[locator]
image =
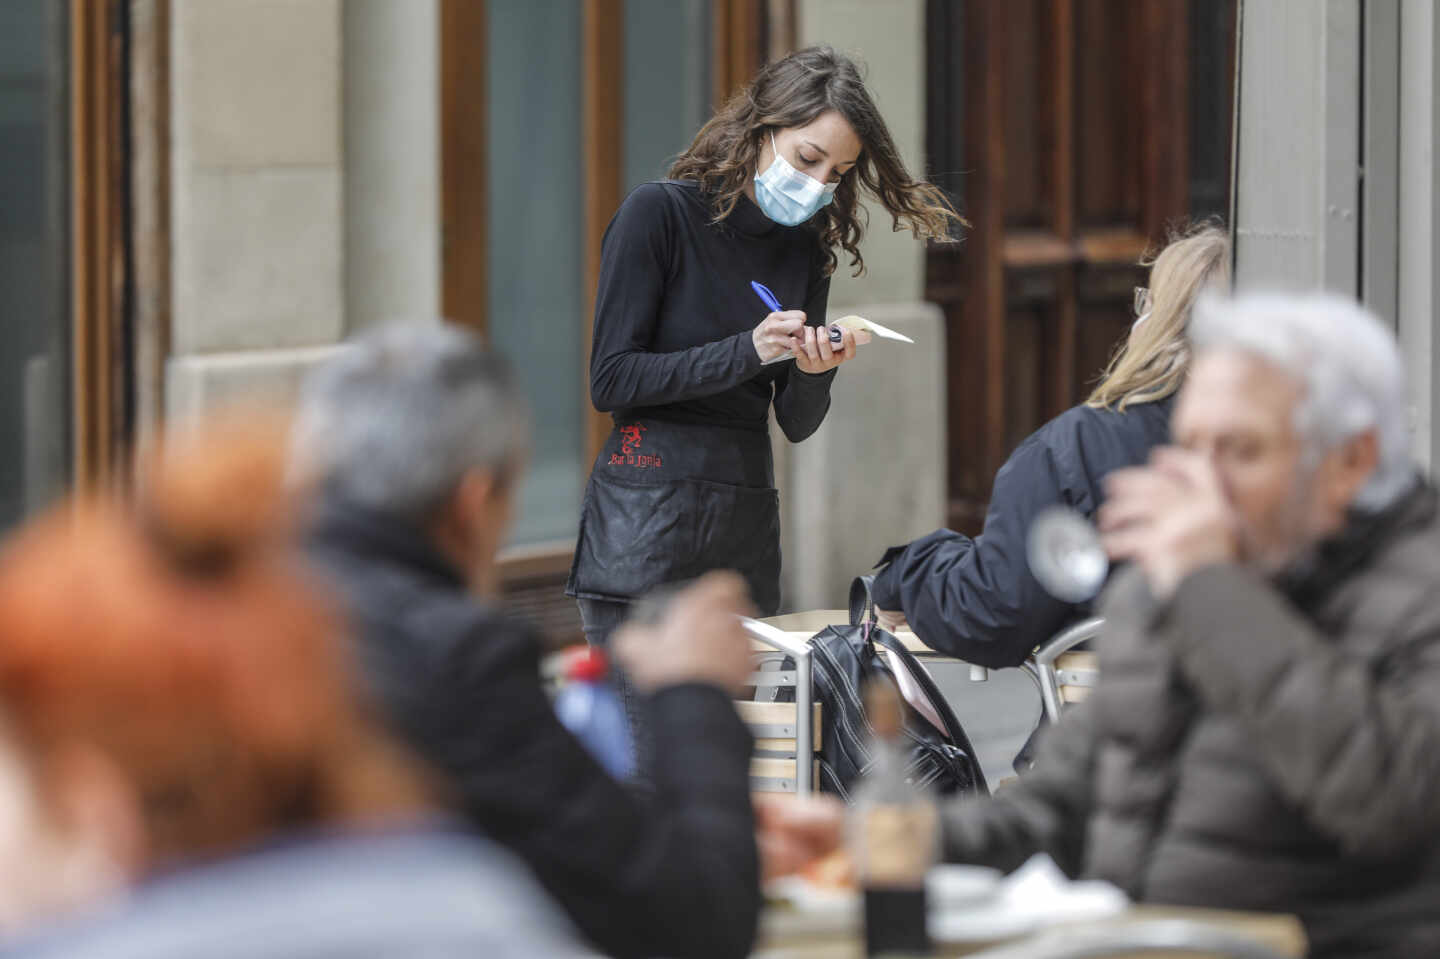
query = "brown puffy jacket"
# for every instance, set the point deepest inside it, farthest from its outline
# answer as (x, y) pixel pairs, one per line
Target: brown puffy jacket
(1259, 746)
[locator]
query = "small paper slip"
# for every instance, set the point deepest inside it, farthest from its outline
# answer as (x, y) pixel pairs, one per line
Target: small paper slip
(855, 324)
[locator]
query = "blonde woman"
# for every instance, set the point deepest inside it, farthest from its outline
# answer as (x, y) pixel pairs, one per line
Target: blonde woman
(975, 599)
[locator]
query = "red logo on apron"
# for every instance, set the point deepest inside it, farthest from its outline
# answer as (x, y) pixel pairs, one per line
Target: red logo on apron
(630, 441)
(630, 438)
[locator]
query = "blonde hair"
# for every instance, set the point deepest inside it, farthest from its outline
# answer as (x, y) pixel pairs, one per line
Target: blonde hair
(1152, 362)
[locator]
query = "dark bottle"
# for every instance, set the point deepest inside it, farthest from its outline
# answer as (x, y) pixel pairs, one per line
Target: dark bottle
(894, 835)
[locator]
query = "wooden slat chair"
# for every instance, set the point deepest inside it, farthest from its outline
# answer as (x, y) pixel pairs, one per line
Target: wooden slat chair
(783, 731)
(1064, 674)
(773, 765)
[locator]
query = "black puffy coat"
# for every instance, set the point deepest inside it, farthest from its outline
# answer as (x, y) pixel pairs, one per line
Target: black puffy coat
(975, 599)
(676, 876)
(1257, 745)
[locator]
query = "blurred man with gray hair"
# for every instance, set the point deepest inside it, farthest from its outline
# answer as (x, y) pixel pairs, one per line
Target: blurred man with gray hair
(1265, 734)
(414, 441)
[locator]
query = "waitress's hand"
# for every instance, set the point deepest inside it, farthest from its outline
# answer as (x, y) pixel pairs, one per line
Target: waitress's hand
(814, 353)
(778, 334)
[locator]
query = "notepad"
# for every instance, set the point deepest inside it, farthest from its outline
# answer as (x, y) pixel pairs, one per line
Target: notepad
(855, 324)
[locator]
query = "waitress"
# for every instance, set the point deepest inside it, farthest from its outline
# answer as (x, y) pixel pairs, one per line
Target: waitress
(688, 358)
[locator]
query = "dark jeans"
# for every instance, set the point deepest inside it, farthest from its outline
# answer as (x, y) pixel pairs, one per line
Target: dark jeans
(600, 618)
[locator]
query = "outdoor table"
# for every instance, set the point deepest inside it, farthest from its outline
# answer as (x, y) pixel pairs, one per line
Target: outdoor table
(786, 933)
(789, 934)
(789, 635)
(807, 624)
(1060, 674)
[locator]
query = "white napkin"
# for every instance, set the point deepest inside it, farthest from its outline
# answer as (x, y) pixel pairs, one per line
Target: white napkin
(1035, 895)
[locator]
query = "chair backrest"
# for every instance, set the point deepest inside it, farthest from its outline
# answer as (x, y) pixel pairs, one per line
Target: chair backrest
(782, 731)
(1064, 674)
(773, 763)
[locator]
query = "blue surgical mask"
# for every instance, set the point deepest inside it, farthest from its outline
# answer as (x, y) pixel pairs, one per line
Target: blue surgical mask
(788, 196)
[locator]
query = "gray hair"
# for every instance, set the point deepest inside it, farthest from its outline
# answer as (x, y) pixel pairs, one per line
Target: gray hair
(1348, 366)
(397, 420)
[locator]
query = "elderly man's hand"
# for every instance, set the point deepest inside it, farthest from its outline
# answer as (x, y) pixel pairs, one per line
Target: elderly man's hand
(1170, 518)
(792, 831)
(699, 639)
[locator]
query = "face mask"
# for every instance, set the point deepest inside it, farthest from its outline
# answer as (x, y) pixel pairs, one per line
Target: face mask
(788, 196)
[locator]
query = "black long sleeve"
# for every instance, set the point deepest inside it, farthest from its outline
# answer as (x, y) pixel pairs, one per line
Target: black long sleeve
(802, 399)
(674, 313)
(624, 370)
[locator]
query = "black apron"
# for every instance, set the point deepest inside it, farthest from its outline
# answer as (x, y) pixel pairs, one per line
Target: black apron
(668, 502)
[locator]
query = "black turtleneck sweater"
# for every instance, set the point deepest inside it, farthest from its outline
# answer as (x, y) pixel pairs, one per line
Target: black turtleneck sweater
(674, 313)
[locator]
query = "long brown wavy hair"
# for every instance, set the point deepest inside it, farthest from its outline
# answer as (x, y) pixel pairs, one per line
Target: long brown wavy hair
(791, 93)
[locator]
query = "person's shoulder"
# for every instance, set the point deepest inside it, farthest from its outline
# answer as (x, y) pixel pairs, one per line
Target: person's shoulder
(1062, 432)
(657, 198)
(420, 622)
(1136, 418)
(1124, 434)
(1410, 560)
(657, 209)
(481, 631)
(1080, 446)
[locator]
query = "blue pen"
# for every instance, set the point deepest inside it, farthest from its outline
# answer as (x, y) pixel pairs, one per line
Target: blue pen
(763, 291)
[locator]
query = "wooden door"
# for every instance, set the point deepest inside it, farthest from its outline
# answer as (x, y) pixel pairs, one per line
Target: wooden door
(1071, 133)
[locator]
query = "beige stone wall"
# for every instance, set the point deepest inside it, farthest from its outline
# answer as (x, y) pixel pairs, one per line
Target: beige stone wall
(887, 38)
(874, 473)
(392, 143)
(257, 172)
(304, 180)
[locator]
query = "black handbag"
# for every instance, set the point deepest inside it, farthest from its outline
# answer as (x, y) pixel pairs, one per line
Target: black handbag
(843, 658)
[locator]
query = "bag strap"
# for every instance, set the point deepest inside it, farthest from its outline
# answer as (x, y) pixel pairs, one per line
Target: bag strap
(862, 601)
(862, 613)
(937, 700)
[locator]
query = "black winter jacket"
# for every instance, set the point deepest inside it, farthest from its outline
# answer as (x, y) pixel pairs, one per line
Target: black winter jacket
(975, 599)
(676, 877)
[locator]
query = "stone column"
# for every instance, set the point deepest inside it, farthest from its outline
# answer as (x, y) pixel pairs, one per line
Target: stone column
(392, 162)
(257, 172)
(874, 474)
(1418, 225)
(1297, 189)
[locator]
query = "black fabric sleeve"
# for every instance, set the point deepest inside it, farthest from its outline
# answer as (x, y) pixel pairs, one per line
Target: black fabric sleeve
(802, 399)
(634, 264)
(976, 599)
(678, 876)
